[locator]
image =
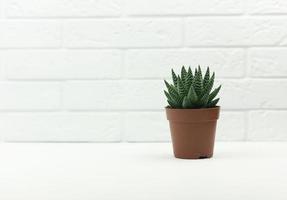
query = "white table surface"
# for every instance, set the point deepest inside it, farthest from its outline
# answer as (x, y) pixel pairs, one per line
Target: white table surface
(98, 171)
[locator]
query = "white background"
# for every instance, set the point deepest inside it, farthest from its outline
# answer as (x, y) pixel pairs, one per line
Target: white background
(92, 70)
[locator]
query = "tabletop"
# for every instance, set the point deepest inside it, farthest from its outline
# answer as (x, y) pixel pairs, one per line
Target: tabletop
(141, 171)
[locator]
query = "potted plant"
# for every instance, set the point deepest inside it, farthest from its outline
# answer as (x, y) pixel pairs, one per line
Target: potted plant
(192, 113)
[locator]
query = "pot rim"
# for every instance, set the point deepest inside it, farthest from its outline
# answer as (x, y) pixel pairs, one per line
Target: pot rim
(193, 115)
(189, 109)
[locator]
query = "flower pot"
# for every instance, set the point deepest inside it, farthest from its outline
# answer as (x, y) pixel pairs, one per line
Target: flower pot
(193, 131)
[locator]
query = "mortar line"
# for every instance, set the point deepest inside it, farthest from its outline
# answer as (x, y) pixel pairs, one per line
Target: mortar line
(145, 48)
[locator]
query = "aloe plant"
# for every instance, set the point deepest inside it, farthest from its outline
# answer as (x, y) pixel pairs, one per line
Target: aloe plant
(191, 90)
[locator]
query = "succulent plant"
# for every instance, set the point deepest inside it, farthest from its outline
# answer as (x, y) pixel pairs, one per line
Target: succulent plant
(191, 90)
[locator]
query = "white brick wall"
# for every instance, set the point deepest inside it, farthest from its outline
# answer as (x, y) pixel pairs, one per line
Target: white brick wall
(75, 70)
(30, 34)
(122, 33)
(62, 64)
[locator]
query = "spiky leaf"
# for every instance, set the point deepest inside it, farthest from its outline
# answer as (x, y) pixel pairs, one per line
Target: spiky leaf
(192, 94)
(171, 101)
(180, 87)
(198, 85)
(167, 95)
(183, 72)
(186, 103)
(172, 104)
(174, 77)
(171, 89)
(214, 93)
(188, 79)
(204, 100)
(209, 85)
(189, 72)
(199, 72)
(206, 77)
(168, 86)
(173, 94)
(176, 99)
(191, 91)
(213, 103)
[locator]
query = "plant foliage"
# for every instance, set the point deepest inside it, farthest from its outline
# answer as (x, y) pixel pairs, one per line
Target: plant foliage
(190, 90)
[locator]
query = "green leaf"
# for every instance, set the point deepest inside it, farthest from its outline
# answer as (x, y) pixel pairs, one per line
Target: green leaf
(174, 77)
(168, 86)
(186, 103)
(167, 95)
(199, 72)
(189, 72)
(198, 84)
(188, 79)
(204, 100)
(209, 85)
(171, 89)
(206, 77)
(175, 97)
(192, 94)
(170, 100)
(214, 93)
(172, 104)
(213, 103)
(191, 90)
(180, 87)
(183, 74)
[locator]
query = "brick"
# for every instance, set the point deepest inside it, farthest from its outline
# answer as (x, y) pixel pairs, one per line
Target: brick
(62, 64)
(62, 8)
(267, 125)
(184, 7)
(20, 34)
(29, 96)
(231, 126)
(92, 95)
(123, 33)
(267, 94)
(60, 126)
(114, 95)
(146, 127)
(157, 63)
(267, 62)
(144, 95)
(235, 31)
(266, 7)
(233, 94)
(253, 94)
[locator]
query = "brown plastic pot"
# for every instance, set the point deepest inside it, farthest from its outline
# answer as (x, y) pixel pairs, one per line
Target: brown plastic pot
(193, 131)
